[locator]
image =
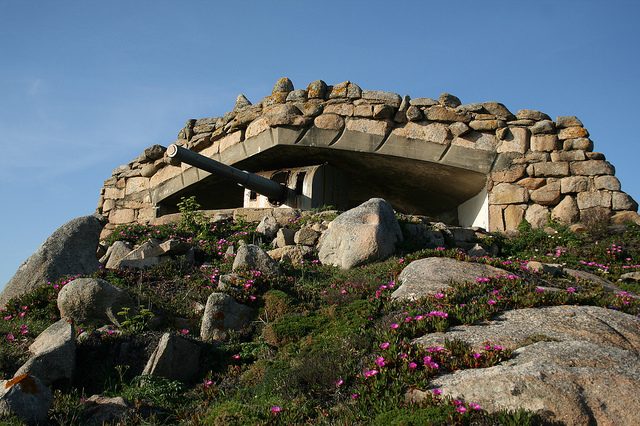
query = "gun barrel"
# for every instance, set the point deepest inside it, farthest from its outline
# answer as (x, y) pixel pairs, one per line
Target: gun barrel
(267, 187)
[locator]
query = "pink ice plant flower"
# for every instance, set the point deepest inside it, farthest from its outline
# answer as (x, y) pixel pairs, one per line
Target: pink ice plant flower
(275, 409)
(370, 373)
(385, 345)
(380, 361)
(394, 326)
(437, 391)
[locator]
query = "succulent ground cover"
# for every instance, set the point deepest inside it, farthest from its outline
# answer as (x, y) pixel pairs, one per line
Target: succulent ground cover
(327, 346)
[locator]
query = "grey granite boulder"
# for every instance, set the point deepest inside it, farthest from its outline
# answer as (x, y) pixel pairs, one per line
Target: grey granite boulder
(364, 234)
(54, 354)
(254, 258)
(92, 301)
(221, 314)
(70, 250)
(433, 275)
(576, 365)
(99, 410)
(26, 397)
(174, 358)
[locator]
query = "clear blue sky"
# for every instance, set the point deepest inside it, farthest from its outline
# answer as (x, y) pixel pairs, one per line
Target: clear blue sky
(86, 86)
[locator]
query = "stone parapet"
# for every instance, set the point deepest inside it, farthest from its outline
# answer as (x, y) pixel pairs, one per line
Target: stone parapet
(531, 164)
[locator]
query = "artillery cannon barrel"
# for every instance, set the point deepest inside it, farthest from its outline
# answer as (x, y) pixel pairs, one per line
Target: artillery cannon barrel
(264, 186)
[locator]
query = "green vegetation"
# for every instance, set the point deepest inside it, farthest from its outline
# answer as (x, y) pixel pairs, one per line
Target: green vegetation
(327, 346)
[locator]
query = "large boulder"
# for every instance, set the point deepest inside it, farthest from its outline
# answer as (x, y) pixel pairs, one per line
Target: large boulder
(26, 397)
(92, 301)
(221, 314)
(572, 364)
(70, 250)
(434, 274)
(364, 234)
(99, 410)
(54, 354)
(174, 358)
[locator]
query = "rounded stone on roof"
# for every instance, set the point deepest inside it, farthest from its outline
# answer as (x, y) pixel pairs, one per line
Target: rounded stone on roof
(241, 102)
(283, 85)
(449, 100)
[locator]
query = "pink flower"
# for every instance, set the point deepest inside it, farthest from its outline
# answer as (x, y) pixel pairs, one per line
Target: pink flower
(474, 406)
(394, 326)
(370, 373)
(185, 331)
(497, 347)
(437, 391)
(10, 337)
(571, 289)
(275, 409)
(209, 383)
(236, 356)
(476, 356)
(439, 295)
(354, 396)
(460, 409)
(380, 361)
(482, 280)
(339, 382)
(491, 302)
(408, 319)
(413, 365)
(385, 345)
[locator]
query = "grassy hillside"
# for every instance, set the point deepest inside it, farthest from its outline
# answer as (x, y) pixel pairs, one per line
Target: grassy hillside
(326, 346)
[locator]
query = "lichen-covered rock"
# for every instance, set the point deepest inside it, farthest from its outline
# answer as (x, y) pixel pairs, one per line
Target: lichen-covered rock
(364, 234)
(222, 314)
(26, 397)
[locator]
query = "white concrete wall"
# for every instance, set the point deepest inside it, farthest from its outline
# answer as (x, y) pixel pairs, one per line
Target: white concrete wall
(475, 211)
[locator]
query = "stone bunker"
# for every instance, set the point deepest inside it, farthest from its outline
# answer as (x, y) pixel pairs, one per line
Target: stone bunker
(470, 165)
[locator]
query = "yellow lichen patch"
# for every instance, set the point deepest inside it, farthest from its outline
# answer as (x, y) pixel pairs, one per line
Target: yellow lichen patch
(27, 383)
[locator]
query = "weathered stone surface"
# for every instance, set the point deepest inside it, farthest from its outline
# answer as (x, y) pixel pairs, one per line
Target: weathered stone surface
(551, 169)
(306, 237)
(93, 301)
(499, 110)
(282, 85)
(545, 127)
(174, 358)
(221, 314)
(344, 109)
(254, 258)
(593, 199)
(622, 201)
(592, 168)
(423, 102)
(449, 100)
(552, 269)
(446, 114)
(363, 234)
(414, 113)
(54, 354)
(545, 143)
(575, 383)
(383, 111)
(486, 125)
(430, 132)
(508, 193)
(568, 121)
(610, 183)
(268, 226)
(621, 218)
(512, 174)
(70, 250)
(528, 114)
(389, 98)
(532, 183)
(285, 237)
(291, 254)
(513, 215)
(566, 212)
(595, 215)
(572, 133)
(115, 253)
(433, 275)
(297, 95)
(27, 397)
(515, 139)
(576, 155)
(317, 89)
(329, 122)
(548, 195)
(99, 410)
(459, 128)
(574, 184)
(374, 127)
(141, 257)
(537, 216)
